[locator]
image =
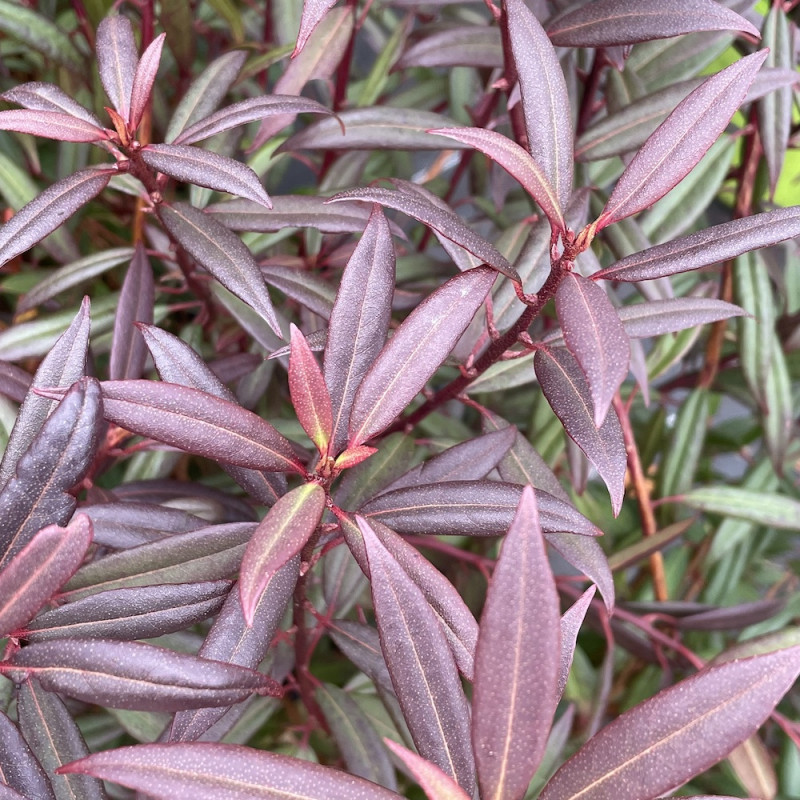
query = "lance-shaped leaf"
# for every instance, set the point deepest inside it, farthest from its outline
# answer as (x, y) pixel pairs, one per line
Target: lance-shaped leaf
(39, 96)
(55, 739)
(279, 536)
(362, 645)
(14, 381)
(763, 508)
(423, 672)
(134, 675)
(416, 351)
(45, 213)
(604, 23)
(314, 293)
(516, 660)
(62, 366)
(117, 61)
(51, 125)
(681, 140)
(545, 102)
(517, 162)
(41, 34)
(128, 350)
(19, 768)
(313, 12)
(37, 571)
(571, 621)
(247, 111)
(437, 784)
(454, 45)
(56, 461)
(718, 243)
(567, 391)
(657, 317)
(594, 334)
(206, 168)
(469, 508)
(359, 321)
(680, 732)
(211, 771)
(309, 393)
(443, 221)
(143, 80)
(222, 253)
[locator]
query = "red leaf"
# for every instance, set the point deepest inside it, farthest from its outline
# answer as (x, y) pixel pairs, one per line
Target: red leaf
(51, 125)
(437, 784)
(516, 660)
(594, 334)
(279, 536)
(681, 140)
(308, 391)
(143, 80)
(117, 61)
(349, 458)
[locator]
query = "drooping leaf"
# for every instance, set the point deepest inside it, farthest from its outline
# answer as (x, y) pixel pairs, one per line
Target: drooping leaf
(567, 391)
(596, 338)
(423, 672)
(222, 253)
(603, 23)
(279, 536)
(416, 351)
(438, 785)
(144, 79)
(117, 61)
(51, 125)
(211, 771)
(36, 572)
(134, 675)
(516, 661)
(49, 209)
(681, 140)
(40, 34)
(545, 102)
(571, 621)
(680, 732)
(18, 765)
(309, 393)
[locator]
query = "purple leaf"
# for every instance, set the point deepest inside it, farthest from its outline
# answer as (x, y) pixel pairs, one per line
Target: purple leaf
(55, 739)
(51, 125)
(47, 97)
(545, 102)
(37, 571)
(680, 732)
(362, 645)
(437, 784)
(594, 335)
(15, 382)
(603, 23)
(308, 289)
(587, 556)
(141, 612)
(359, 321)
(516, 660)
(423, 672)
(280, 536)
(657, 317)
(718, 243)
(133, 675)
(222, 253)
(680, 141)
(443, 221)
(49, 209)
(567, 391)
(20, 770)
(58, 458)
(415, 352)
(517, 162)
(62, 366)
(571, 622)
(455, 45)
(117, 61)
(469, 508)
(247, 111)
(313, 12)
(128, 349)
(205, 168)
(211, 771)
(143, 80)
(309, 394)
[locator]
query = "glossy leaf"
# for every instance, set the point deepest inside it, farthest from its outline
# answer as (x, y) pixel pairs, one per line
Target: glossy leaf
(280, 535)
(117, 61)
(681, 140)
(134, 675)
(49, 209)
(442, 220)
(423, 672)
(36, 572)
(144, 79)
(596, 338)
(51, 125)
(680, 732)
(211, 771)
(516, 660)
(571, 621)
(567, 391)
(19, 768)
(603, 23)
(416, 351)
(545, 102)
(763, 508)
(437, 784)
(309, 394)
